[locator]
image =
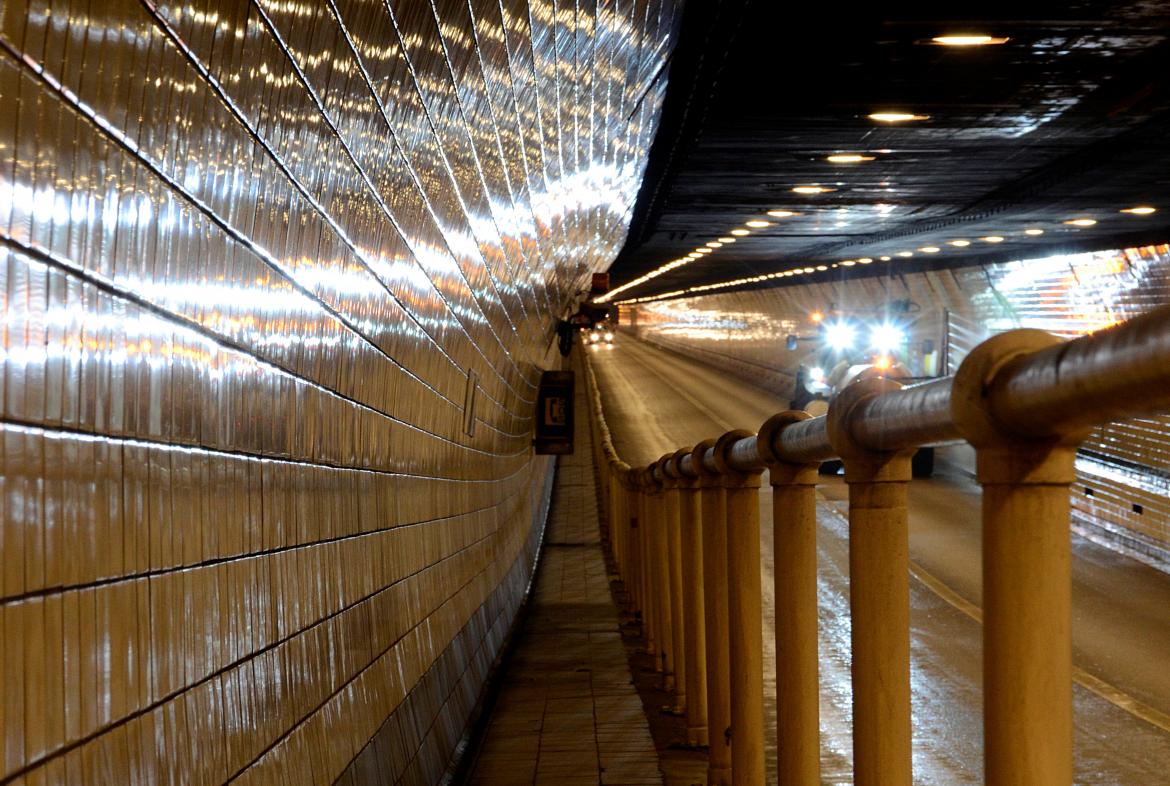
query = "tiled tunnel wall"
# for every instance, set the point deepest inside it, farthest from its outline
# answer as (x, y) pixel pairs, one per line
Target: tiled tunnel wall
(1123, 489)
(278, 280)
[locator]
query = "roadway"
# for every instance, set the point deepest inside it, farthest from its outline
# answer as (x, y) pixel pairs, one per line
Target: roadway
(657, 401)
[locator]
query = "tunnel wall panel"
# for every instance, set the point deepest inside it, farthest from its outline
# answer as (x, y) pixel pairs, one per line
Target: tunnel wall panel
(1123, 469)
(261, 264)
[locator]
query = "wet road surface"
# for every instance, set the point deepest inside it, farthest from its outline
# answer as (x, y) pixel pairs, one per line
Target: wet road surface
(656, 402)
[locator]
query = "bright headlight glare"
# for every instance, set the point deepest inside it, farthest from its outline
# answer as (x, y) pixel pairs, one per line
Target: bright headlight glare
(816, 374)
(839, 335)
(886, 337)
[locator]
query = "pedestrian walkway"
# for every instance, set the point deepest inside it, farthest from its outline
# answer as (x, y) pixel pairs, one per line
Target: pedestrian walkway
(567, 711)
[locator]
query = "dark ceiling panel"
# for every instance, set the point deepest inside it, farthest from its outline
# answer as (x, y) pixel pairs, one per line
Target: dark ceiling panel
(1069, 118)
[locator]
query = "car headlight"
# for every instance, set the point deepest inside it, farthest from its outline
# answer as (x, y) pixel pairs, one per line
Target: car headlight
(839, 335)
(886, 337)
(593, 337)
(608, 336)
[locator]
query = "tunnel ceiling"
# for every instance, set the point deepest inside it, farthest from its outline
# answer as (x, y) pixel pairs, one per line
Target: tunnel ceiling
(1067, 119)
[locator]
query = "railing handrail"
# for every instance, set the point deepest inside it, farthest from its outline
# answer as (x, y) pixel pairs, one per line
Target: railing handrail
(1024, 400)
(1120, 372)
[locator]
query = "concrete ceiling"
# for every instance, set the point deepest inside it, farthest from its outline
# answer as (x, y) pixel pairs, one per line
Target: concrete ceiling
(1067, 119)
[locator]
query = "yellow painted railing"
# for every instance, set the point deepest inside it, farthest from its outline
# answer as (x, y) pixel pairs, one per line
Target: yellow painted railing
(684, 532)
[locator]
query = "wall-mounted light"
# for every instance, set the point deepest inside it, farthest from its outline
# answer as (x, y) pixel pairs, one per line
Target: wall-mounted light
(848, 158)
(896, 117)
(968, 39)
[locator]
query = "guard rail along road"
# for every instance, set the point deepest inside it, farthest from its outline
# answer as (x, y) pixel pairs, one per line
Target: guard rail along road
(684, 532)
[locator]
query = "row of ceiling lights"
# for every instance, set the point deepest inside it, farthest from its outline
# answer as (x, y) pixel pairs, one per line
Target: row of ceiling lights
(1141, 210)
(710, 247)
(812, 189)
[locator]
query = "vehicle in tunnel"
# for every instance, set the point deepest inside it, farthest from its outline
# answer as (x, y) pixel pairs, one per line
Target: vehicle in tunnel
(842, 357)
(601, 333)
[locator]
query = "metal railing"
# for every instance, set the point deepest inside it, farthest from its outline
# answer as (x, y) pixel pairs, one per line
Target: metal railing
(684, 532)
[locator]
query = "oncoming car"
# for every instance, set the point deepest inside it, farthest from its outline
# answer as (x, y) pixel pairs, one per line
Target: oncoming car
(844, 356)
(600, 334)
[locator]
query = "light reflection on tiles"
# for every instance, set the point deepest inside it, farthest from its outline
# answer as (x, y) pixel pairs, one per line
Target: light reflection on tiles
(249, 255)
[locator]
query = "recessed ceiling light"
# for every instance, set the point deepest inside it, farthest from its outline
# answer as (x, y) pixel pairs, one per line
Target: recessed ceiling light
(1140, 210)
(848, 158)
(715, 244)
(992, 239)
(1081, 222)
(822, 268)
(782, 213)
(703, 251)
(905, 253)
(968, 39)
(896, 117)
(741, 232)
(810, 270)
(848, 262)
(885, 259)
(930, 249)
(1033, 232)
(864, 260)
(758, 224)
(812, 189)
(960, 243)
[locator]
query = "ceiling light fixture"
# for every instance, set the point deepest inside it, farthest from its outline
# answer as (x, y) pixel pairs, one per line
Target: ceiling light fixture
(896, 117)
(864, 261)
(1140, 210)
(814, 189)
(848, 262)
(886, 259)
(930, 249)
(782, 213)
(905, 254)
(714, 244)
(992, 239)
(968, 39)
(1081, 222)
(1034, 232)
(704, 251)
(848, 158)
(757, 224)
(726, 240)
(741, 232)
(960, 243)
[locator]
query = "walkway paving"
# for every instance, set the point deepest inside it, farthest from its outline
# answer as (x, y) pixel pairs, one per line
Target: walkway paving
(568, 712)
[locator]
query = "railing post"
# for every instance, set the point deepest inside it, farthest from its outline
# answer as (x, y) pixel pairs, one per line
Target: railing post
(1027, 640)
(678, 658)
(879, 594)
(633, 532)
(694, 643)
(794, 528)
(619, 526)
(660, 558)
(714, 536)
(745, 615)
(649, 595)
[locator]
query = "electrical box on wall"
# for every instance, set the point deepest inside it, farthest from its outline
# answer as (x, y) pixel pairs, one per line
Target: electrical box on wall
(554, 413)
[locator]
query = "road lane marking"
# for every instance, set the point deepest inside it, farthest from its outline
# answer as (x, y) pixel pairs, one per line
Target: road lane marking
(1095, 685)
